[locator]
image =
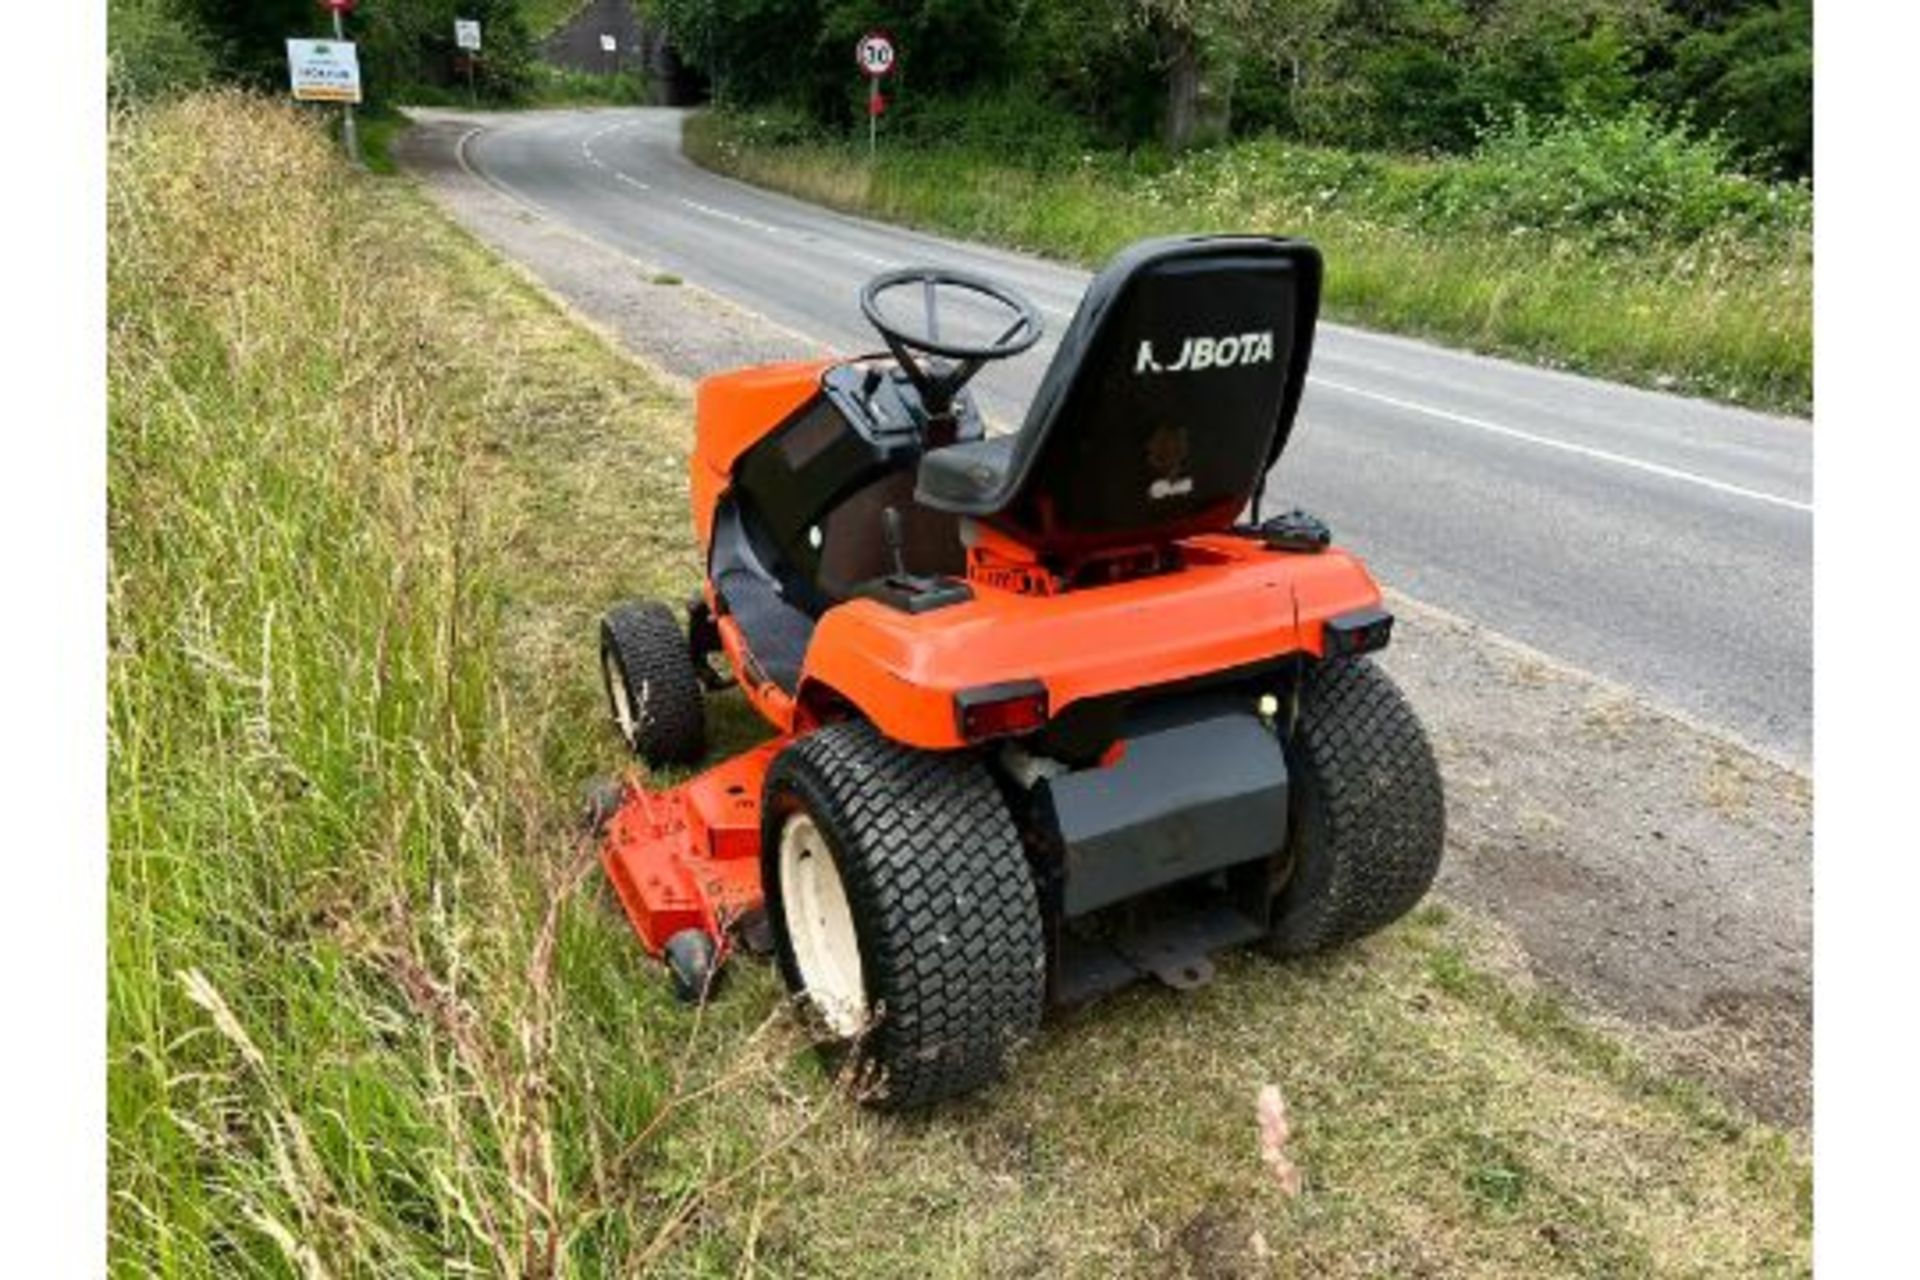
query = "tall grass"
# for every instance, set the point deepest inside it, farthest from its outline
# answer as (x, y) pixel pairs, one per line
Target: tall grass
(361, 1017)
(1617, 247)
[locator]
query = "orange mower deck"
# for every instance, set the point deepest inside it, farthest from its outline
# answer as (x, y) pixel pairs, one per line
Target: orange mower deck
(688, 857)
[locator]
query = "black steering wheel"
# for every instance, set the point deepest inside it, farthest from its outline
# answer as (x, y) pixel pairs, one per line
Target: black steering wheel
(938, 382)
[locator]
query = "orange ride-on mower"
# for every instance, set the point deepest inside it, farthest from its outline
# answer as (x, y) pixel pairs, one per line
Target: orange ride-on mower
(1050, 714)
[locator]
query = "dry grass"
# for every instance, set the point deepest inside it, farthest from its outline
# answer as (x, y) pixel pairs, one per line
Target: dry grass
(372, 1011)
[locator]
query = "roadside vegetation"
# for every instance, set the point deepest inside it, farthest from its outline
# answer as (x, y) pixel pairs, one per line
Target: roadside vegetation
(1618, 186)
(1621, 187)
(373, 1011)
(161, 48)
(544, 17)
(1617, 247)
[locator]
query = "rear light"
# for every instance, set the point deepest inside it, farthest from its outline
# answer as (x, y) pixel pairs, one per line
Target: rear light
(1000, 710)
(1361, 631)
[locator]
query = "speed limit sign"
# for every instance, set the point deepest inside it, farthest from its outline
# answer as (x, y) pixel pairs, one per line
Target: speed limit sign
(874, 53)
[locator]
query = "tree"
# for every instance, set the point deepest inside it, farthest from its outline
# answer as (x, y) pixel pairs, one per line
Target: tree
(154, 48)
(1197, 42)
(1752, 77)
(403, 43)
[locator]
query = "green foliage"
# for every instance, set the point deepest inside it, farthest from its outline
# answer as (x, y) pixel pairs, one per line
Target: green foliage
(801, 51)
(410, 42)
(551, 86)
(155, 49)
(404, 45)
(544, 17)
(1407, 75)
(1618, 246)
(1753, 78)
(1014, 121)
(1625, 181)
(368, 1010)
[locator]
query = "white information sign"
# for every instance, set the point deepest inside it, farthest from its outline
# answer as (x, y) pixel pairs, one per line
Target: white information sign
(608, 44)
(466, 34)
(324, 70)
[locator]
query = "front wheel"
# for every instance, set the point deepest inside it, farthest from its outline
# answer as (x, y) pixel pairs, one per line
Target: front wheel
(653, 691)
(1369, 817)
(903, 910)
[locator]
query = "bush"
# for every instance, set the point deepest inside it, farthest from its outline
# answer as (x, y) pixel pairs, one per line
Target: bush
(154, 50)
(549, 86)
(775, 126)
(1625, 181)
(1007, 122)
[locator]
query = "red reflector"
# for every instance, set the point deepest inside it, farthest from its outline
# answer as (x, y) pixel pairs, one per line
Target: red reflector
(1000, 710)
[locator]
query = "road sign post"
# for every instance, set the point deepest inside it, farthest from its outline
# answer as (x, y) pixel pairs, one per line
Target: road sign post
(610, 45)
(466, 38)
(349, 131)
(874, 55)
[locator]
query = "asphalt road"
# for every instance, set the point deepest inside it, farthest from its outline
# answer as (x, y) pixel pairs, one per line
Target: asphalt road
(1660, 542)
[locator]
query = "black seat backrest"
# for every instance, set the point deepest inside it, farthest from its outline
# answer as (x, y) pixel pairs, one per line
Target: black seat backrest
(1171, 395)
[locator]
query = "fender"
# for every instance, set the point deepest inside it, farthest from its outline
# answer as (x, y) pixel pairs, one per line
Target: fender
(1236, 604)
(735, 411)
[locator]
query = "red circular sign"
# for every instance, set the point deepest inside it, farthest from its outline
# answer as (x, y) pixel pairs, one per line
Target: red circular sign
(874, 53)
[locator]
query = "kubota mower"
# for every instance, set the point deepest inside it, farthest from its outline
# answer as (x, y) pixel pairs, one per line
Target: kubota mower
(1054, 710)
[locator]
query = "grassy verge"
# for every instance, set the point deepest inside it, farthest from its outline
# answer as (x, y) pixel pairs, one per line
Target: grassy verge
(378, 129)
(1464, 251)
(544, 17)
(552, 86)
(372, 1010)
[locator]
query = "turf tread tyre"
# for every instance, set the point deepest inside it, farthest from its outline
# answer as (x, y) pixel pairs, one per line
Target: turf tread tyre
(1369, 816)
(646, 644)
(942, 899)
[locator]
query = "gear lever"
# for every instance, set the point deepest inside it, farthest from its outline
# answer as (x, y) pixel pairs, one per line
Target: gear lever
(911, 592)
(895, 538)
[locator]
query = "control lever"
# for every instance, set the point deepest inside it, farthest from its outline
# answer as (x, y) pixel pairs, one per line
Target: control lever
(910, 592)
(896, 540)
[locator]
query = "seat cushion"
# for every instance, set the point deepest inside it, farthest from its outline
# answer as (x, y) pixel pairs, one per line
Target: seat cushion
(965, 476)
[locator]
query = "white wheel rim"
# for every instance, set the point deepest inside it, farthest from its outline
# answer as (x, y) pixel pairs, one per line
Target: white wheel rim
(826, 950)
(622, 702)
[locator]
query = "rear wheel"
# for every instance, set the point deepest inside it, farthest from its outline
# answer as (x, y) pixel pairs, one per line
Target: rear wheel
(1369, 818)
(903, 911)
(653, 691)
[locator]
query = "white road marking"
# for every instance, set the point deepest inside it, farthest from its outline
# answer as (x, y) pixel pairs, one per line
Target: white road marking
(586, 149)
(1567, 446)
(734, 218)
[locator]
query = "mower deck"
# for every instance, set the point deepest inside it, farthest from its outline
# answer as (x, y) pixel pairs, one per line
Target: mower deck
(689, 857)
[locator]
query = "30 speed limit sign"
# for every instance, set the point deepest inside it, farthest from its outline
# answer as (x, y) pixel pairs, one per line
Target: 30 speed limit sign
(874, 53)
